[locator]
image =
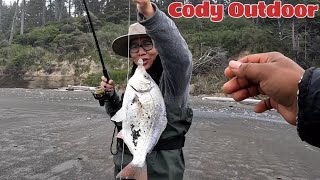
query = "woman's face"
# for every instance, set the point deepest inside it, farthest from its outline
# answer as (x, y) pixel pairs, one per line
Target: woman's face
(143, 48)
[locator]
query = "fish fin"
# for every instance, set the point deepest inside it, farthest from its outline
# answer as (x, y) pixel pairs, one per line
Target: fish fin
(133, 172)
(119, 116)
(120, 135)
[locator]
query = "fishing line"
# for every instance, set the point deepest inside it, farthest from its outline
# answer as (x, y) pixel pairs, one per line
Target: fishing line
(128, 60)
(122, 154)
(128, 71)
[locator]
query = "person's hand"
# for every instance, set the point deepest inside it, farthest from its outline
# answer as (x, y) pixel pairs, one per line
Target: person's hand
(271, 74)
(108, 86)
(144, 7)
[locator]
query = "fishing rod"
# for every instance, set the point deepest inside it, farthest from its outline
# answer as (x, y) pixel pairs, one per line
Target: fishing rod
(99, 94)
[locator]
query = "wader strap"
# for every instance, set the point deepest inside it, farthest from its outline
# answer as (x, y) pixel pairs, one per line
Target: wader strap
(163, 144)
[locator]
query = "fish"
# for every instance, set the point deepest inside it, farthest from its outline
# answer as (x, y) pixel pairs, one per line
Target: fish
(143, 117)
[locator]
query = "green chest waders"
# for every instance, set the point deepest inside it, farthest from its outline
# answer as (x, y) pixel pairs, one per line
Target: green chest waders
(166, 161)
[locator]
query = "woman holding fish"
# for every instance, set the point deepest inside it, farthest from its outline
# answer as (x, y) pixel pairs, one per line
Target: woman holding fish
(153, 125)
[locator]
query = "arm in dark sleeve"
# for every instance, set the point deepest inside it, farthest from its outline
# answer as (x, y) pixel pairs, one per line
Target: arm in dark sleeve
(309, 107)
(113, 104)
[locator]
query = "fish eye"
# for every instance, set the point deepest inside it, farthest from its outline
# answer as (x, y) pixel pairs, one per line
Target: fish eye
(146, 76)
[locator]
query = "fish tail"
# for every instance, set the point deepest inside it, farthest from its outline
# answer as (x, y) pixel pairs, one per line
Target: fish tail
(133, 172)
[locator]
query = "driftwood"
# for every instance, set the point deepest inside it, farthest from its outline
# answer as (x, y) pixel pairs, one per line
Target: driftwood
(212, 58)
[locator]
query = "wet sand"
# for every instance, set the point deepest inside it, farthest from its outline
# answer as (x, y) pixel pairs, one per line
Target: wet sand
(47, 134)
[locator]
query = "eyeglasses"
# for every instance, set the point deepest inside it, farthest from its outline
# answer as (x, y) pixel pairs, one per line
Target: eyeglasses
(146, 45)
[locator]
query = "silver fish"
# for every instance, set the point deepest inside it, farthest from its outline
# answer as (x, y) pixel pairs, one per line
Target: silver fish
(143, 117)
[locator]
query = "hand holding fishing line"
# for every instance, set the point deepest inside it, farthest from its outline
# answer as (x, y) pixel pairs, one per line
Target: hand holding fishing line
(266, 73)
(144, 7)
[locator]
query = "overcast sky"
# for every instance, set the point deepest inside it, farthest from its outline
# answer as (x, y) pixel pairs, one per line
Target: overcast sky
(8, 1)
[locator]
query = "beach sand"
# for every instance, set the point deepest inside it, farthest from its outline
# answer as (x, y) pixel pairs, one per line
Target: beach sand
(47, 134)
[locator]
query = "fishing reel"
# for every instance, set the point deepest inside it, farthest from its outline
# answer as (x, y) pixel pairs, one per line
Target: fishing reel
(101, 95)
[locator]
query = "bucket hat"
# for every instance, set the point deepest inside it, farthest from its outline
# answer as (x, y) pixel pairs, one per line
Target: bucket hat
(120, 44)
